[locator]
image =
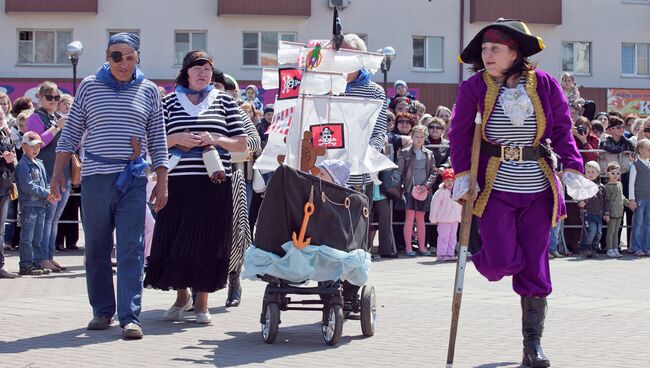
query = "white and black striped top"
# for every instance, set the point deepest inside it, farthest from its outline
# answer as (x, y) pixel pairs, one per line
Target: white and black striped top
(217, 114)
(109, 119)
(513, 176)
(374, 91)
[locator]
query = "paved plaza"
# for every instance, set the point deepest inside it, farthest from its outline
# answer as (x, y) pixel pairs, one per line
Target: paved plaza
(599, 317)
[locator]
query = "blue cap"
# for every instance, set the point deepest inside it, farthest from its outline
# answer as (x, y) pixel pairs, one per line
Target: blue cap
(130, 39)
(338, 170)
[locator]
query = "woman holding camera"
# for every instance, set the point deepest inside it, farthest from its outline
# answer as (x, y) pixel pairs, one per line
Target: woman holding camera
(585, 139)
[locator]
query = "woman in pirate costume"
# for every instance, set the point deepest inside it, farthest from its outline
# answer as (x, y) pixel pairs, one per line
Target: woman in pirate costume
(192, 239)
(519, 200)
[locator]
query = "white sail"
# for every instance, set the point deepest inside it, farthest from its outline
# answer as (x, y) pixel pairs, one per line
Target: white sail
(344, 126)
(342, 61)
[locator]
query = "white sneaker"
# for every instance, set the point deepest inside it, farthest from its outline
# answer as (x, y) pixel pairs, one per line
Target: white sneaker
(174, 313)
(203, 318)
(618, 254)
(611, 253)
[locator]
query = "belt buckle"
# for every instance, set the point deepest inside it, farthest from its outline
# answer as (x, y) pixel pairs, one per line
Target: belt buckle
(512, 153)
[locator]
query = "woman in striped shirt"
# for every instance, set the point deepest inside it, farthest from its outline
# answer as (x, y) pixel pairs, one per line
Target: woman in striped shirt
(520, 197)
(192, 237)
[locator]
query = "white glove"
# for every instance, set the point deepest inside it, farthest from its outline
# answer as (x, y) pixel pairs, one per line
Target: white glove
(578, 187)
(461, 186)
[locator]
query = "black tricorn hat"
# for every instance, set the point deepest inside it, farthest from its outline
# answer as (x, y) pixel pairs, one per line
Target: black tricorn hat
(528, 43)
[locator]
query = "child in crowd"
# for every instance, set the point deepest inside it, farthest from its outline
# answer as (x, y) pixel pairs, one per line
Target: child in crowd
(572, 94)
(596, 209)
(616, 200)
(446, 213)
(250, 95)
(33, 194)
(334, 171)
(640, 198)
(417, 166)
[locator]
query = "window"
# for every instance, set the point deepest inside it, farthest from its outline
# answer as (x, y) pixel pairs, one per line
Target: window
(576, 57)
(634, 59)
(185, 41)
(261, 48)
(43, 46)
(427, 53)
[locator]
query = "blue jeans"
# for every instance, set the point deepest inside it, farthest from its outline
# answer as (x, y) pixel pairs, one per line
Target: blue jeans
(555, 237)
(104, 209)
(641, 226)
(591, 233)
(10, 228)
(52, 215)
(32, 220)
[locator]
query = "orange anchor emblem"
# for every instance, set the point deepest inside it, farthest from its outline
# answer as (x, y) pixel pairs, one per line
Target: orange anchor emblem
(300, 241)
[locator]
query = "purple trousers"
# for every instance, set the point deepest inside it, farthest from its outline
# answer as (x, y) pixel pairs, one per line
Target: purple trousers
(515, 229)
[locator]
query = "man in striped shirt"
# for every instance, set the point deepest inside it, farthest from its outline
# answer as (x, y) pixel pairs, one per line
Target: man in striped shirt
(111, 108)
(360, 85)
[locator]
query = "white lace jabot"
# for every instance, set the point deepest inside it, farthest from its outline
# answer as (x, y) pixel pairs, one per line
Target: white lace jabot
(516, 104)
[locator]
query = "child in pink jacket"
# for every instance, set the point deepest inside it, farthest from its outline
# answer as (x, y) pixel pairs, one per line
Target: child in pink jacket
(446, 213)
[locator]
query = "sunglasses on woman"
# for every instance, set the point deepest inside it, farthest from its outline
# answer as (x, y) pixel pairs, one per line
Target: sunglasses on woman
(435, 127)
(52, 98)
(404, 122)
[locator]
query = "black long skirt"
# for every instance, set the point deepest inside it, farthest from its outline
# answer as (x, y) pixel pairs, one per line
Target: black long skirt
(192, 238)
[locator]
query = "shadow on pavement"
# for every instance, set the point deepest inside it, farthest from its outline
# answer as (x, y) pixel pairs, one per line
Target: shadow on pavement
(249, 348)
(152, 322)
(500, 364)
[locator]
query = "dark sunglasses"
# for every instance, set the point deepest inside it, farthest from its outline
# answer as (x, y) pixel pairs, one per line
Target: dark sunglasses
(52, 98)
(116, 56)
(646, 130)
(404, 122)
(435, 127)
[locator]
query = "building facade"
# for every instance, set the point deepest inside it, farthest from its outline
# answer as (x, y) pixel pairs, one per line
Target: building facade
(605, 43)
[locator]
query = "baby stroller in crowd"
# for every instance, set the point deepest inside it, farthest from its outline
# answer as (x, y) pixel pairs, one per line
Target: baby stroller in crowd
(300, 209)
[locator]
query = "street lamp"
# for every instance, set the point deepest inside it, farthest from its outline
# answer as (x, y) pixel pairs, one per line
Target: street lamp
(74, 50)
(389, 56)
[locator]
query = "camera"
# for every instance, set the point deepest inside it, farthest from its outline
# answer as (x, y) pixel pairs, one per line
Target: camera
(581, 130)
(411, 109)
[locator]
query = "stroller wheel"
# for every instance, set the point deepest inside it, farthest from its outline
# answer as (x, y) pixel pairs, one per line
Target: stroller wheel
(368, 310)
(334, 328)
(271, 323)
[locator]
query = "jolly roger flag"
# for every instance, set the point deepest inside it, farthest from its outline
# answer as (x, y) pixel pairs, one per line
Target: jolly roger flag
(290, 80)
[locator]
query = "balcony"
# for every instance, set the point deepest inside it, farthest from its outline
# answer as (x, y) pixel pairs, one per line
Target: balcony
(295, 8)
(51, 6)
(529, 11)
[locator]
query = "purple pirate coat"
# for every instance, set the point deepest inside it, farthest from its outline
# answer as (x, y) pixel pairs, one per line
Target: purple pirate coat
(479, 93)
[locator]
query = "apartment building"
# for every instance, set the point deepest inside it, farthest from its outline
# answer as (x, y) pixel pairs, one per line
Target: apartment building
(605, 43)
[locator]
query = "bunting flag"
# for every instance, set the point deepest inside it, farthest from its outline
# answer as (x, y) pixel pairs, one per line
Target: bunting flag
(337, 30)
(281, 119)
(327, 59)
(290, 80)
(312, 82)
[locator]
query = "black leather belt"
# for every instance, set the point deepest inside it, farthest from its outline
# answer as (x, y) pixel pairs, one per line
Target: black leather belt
(507, 153)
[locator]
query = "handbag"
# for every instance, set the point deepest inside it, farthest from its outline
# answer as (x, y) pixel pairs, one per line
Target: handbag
(258, 182)
(417, 195)
(75, 170)
(391, 184)
(13, 192)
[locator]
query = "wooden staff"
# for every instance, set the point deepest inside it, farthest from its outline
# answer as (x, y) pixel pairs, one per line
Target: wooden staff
(465, 226)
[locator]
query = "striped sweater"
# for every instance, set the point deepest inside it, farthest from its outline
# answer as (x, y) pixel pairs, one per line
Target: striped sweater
(109, 119)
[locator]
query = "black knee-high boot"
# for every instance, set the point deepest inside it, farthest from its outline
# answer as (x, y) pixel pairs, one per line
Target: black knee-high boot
(532, 320)
(234, 290)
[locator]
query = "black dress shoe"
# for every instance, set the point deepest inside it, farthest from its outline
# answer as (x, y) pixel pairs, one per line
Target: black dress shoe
(60, 247)
(393, 255)
(72, 247)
